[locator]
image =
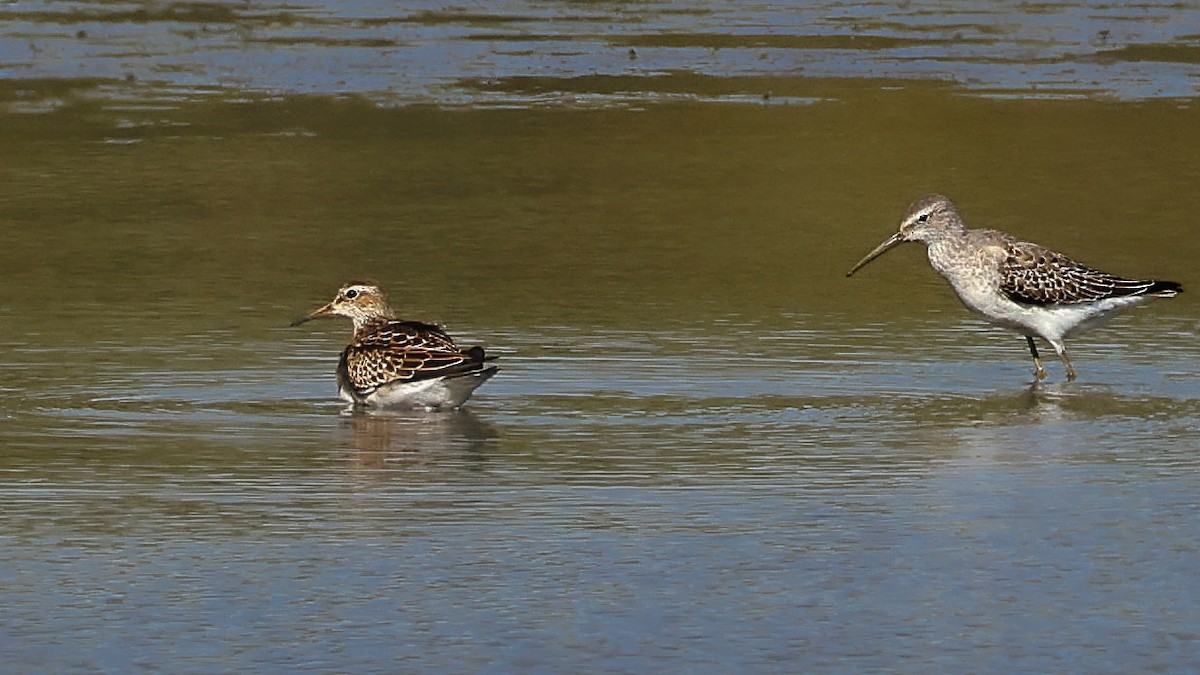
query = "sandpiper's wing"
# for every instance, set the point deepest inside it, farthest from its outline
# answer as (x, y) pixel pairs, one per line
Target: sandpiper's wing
(404, 351)
(1035, 275)
(397, 334)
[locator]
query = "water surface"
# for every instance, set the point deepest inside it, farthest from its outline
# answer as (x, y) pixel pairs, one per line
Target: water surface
(706, 450)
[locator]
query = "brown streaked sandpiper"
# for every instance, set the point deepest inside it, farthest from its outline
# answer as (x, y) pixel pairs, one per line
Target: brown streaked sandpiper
(393, 363)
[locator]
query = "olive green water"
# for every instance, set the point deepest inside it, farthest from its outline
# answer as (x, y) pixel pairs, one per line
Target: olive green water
(706, 450)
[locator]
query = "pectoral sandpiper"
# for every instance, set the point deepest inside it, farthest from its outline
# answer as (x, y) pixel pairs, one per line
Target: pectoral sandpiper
(392, 363)
(1022, 286)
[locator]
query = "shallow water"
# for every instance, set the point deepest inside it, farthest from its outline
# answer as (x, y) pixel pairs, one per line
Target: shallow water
(518, 52)
(706, 450)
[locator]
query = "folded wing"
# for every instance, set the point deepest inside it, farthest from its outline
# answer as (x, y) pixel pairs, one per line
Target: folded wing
(405, 351)
(1035, 275)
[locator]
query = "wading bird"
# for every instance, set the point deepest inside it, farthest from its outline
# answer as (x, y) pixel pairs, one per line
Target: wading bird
(1022, 286)
(392, 363)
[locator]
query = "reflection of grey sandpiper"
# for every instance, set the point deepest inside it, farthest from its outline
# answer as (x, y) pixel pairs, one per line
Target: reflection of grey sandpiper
(392, 363)
(1016, 284)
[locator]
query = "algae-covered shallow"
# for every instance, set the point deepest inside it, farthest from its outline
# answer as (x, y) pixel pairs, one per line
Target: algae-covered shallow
(706, 450)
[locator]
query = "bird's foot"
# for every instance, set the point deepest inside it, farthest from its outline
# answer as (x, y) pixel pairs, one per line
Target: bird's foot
(1069, 367)
(1039, 372)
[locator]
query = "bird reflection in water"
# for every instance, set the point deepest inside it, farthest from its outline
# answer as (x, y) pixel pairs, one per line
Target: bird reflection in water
(391, 439)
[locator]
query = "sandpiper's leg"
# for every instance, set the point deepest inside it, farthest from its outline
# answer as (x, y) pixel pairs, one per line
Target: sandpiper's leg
(1067, 363)
(1062, 354)
(1037, 360)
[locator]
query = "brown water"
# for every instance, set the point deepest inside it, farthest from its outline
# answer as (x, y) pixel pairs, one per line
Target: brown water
(707, 449)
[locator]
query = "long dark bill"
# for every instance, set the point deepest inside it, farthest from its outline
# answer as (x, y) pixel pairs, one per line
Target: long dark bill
(879, 250)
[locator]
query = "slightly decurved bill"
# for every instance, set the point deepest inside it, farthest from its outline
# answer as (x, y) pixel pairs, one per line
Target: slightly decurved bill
(897, 238)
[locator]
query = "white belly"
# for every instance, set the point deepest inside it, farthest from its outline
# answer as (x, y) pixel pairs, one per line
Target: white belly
(1052, 322)
(440, 393)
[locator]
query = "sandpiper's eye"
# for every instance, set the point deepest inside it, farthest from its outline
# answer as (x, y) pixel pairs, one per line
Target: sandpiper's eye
(923, 218)
(351, 294)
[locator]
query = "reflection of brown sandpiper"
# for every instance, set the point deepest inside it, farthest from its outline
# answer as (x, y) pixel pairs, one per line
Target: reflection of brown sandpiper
(1016, 284)
(391, 363)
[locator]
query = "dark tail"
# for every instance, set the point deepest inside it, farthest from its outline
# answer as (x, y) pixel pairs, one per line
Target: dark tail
(477, 355)
(1164, 289)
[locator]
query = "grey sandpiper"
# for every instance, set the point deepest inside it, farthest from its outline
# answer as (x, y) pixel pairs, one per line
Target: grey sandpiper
(1016, 284)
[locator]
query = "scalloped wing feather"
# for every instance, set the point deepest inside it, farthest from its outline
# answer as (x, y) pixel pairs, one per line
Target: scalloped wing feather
(404, 351)
(393, 335)
(1035, 275)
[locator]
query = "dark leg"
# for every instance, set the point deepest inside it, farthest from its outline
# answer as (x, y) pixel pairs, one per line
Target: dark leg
(1037, 360)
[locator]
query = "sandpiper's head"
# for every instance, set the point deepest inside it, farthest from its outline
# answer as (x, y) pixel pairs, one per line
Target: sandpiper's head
(360, 302)
(928, 219)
